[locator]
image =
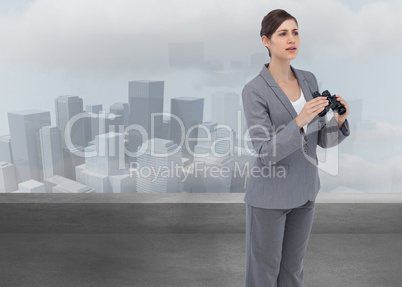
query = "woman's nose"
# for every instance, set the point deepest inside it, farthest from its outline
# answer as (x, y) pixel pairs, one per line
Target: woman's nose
(291, 39)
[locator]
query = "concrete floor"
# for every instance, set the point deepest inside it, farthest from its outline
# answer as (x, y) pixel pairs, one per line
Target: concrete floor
(186, 240)
(358, 260)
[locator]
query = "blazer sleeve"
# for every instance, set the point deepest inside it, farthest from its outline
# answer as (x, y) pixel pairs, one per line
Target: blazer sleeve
(271, 143)
(329, 135)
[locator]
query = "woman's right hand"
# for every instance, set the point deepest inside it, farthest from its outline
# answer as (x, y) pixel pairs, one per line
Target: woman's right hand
(310, 110)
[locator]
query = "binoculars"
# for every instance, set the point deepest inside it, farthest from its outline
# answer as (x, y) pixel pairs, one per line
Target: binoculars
(335, 105)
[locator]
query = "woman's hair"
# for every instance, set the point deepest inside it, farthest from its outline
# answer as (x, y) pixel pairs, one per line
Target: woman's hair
(272, 21)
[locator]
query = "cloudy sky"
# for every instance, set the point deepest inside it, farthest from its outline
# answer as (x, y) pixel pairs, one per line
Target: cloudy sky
(91, 48)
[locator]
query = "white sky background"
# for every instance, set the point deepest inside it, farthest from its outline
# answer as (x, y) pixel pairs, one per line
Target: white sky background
(91, 48)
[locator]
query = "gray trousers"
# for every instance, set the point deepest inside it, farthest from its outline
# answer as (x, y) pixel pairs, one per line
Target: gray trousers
(276, 241)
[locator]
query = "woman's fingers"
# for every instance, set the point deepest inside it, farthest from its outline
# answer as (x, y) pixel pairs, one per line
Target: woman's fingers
(316, 105)
(310, 110)
(341, 100)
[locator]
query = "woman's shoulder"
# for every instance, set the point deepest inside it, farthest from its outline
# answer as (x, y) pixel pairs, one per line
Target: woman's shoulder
(261, 82)
(255, 82)
(258, 82)
(309, 76)
(256, 86)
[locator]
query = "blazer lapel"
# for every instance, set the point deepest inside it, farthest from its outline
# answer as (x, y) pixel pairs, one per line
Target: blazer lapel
(277, 90)
(307, 92)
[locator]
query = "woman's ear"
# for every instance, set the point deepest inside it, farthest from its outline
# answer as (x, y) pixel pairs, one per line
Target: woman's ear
(265, 41)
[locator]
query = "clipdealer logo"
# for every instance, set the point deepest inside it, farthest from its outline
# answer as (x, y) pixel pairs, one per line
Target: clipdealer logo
(184, 141)
(258, 135)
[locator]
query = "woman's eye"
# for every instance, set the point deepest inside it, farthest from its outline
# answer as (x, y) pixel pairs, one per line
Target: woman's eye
(295, 33)
(282, 34)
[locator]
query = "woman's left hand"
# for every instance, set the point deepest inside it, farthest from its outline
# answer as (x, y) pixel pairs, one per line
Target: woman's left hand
(341, 118)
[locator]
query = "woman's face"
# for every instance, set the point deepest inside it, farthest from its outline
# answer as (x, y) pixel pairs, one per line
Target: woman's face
(284, 42)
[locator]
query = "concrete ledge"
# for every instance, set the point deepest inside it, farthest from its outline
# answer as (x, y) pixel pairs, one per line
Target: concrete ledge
(184, 213)
(184, 198)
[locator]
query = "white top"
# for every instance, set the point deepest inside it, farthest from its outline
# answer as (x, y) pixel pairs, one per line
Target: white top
(298, 106)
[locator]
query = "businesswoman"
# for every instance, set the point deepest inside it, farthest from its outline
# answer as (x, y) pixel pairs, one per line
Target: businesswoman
(285, 129)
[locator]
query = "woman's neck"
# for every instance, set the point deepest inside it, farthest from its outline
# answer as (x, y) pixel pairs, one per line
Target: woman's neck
(280, 70)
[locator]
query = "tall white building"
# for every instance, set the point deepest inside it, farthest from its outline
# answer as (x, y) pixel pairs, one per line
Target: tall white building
(24, 131)
(190, 112)
(6, 153)
(214, 140)
(51, 150)
(158, 171)
(78, 133)
(104, 168)
(66, 107)
(121, 109)
(8, 182)
(145, 98)
(103, 123)
(212, 169)
(94, 108)
(110, 153)
(225, 109)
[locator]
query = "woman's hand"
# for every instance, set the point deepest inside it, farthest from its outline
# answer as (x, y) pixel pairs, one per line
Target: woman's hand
(310, 110)
(341, 118)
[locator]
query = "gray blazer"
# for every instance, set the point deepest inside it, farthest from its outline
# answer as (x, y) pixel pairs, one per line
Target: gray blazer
(285, 173)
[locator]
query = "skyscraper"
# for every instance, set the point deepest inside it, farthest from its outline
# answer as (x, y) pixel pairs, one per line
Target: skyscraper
(66, 107)
(224, 109)
(104, 123)
(169, 165)
(145, 98)
(213, 154)
(24, 131)
(52, 154)
(190, 111)
(94, 111)
(104, 170)
(6, 153)
(121, 109)
(109, 154)
(94, 108)
(8, 181)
